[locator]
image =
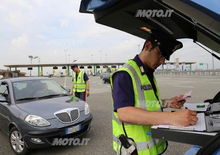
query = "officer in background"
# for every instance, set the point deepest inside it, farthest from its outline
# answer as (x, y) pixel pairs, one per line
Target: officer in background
(80, 83)
(137, 102)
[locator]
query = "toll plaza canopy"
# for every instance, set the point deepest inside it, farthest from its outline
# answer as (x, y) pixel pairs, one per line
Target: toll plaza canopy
(60, 64)
(93, 66)
(66, 66)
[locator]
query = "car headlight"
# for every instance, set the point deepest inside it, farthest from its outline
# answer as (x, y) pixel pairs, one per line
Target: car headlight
(86, 109)
(36, 121)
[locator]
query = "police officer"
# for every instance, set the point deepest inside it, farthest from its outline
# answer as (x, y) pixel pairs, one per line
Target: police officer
(137, 102)
(80, 83)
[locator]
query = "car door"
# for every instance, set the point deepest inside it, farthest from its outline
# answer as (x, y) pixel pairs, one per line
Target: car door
(4, 107)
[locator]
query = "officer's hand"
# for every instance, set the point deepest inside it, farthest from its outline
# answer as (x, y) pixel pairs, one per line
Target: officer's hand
(176, 102)
(87, 93)
(184, 118)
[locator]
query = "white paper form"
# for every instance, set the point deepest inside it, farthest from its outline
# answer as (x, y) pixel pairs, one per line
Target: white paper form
(199, 126)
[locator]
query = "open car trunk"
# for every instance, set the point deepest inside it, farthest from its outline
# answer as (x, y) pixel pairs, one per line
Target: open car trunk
(188, 19)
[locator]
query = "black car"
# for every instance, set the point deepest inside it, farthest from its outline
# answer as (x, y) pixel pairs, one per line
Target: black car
(34, 111)
(106, 77)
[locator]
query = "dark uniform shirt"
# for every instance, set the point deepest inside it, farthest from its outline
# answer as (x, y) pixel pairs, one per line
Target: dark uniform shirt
(123, 92)
(84, 76)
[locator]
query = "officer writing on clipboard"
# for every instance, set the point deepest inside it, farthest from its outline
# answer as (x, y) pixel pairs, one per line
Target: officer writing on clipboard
(137, 102)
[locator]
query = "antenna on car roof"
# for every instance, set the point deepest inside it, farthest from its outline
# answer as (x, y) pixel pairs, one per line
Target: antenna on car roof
(213, 54)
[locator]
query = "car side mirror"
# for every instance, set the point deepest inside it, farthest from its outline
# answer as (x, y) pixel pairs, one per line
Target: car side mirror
(3, 99)
(68, 90)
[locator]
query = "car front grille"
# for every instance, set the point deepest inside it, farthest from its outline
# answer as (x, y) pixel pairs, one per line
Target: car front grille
(64, 117)
(74, 114)
(67, 115)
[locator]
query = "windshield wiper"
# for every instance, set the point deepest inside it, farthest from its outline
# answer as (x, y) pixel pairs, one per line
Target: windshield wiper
(27, 98)
(53, 95)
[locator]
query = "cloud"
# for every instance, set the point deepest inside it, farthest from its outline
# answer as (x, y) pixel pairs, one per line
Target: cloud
(16, 13)
(46, 28)
(20, 43)
(40, 36)
(16, 4)
(15, 19)
(64, 23)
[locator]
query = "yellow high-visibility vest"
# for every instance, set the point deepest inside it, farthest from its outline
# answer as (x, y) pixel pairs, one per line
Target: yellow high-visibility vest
(146, 99)
(79, 84)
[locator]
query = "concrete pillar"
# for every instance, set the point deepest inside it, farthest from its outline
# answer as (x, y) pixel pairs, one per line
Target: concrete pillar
(38, 67)
(68, 70)
(41, 72)
(94, 70)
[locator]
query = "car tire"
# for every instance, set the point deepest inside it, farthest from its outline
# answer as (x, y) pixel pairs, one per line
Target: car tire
(17, 143)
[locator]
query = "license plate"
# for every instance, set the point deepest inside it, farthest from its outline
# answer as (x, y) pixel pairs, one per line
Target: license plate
(73, 129)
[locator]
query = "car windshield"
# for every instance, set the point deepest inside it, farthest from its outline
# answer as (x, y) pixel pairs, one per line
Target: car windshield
(35, 89)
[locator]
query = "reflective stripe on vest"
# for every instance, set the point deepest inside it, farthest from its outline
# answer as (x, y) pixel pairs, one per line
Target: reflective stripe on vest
(138, 83)
(79, 84)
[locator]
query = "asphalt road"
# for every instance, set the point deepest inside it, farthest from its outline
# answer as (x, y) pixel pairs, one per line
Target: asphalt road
(101, 107)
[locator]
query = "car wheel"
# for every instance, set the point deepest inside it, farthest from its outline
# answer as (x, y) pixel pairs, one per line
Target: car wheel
(16, 142)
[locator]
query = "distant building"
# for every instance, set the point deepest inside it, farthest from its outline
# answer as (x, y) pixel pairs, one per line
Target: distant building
(11, 74)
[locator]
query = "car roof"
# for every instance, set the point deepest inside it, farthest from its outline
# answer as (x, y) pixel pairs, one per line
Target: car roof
(23, 79)
(189, 19)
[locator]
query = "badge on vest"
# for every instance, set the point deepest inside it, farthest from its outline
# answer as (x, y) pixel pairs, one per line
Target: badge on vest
(146, 87)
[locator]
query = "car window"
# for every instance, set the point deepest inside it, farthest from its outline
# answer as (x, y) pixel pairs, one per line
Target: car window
(51, 85)
(4, 89)
(36, 88)
(20, 85)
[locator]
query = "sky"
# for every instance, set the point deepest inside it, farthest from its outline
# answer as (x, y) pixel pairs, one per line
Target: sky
(56, 32)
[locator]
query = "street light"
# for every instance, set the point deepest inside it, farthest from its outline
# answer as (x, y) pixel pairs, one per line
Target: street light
(31, 57)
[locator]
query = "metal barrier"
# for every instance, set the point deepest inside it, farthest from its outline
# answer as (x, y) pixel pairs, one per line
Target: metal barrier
(215, 73)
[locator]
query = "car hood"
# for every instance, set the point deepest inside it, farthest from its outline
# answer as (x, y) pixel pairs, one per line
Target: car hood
(47, 107)
(188, 20)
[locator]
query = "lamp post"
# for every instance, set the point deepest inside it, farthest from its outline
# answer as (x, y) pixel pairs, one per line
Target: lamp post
(38, 60)
(31, 57)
